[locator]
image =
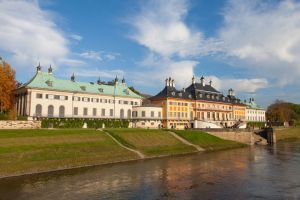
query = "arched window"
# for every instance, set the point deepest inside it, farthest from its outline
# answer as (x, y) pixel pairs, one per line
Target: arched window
(129, 114)
(50, 111)
(61, 111)
(121, 113)
(38, 110)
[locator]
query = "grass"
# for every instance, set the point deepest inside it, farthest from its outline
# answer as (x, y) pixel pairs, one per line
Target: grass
(150, 142)
(287, 133)
(207, 141)
(31, 151)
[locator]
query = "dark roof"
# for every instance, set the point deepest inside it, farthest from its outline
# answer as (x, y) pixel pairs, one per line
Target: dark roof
(196, 91)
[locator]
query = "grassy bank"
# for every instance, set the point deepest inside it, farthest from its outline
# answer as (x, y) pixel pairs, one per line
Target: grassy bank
(150, 142)
(207, 141)
(31, 151)
(287, 133)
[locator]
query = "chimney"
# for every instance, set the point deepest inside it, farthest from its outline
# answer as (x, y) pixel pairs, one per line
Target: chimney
(210, 82)
(123, 80)
(169, 82)
(166, 82)
(38, 68)
(73, 77)
(193, 80)
(116, 80)
(173, 84)
(183, 89)
(99, 81)
(202, 80)
(50, 70)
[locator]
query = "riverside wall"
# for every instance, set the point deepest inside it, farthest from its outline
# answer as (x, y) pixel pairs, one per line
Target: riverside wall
(15, 124)
(246, 137)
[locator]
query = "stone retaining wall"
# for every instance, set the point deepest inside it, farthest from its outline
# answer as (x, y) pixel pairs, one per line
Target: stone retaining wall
(242, 137)
(11, 124)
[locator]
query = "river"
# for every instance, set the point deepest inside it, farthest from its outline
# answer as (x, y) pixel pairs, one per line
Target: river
(260, 172)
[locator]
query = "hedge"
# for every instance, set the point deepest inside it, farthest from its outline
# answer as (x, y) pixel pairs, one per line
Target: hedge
(256, 124)
(78, 123)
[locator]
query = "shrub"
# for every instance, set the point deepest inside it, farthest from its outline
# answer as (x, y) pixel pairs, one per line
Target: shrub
(78, 123)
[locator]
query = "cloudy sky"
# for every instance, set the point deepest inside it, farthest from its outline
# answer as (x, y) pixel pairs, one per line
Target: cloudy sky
(251, 46)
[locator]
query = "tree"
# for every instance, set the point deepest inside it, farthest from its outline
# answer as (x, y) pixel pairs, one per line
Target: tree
(281, 111)
(7, 85)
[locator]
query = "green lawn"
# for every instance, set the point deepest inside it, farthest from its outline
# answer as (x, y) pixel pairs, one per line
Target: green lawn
(150, 142)
(207, 141)
(287, 133)
(31, 151)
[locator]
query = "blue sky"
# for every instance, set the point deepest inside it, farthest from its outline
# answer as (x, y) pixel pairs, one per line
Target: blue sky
(251, 46)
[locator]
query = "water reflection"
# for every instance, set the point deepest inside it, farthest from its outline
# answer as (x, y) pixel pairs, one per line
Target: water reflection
(249, 173)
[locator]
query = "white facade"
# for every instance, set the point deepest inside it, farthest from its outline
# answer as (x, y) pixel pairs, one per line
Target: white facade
(147, 117)
(255, 115)
(59, 104)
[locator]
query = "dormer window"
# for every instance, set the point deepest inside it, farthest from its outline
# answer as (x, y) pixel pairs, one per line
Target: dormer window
(126, 91)
(190, 96)
(173, 93)
(49, 83)
(100, 90)
(83, 88)
(180, 94)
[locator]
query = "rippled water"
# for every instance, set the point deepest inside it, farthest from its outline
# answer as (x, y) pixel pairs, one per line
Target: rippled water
(248, 173)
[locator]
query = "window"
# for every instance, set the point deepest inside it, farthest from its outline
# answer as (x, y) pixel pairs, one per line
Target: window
(85, 111)
(49, 96)
(125, 102)
(152, 113)
(120, 102)
(159, 114)
(129, 114)
(121, 113)
(85, 99)
(134, 113)
(38, 110)
(111, 112)
(100, 90)
(50, 111)
(75, 112)
(103, 112)
(76, 98)
(94, 111)
(152, 123)
(135, 103)
(61, 111)
(143, 113)
(95, 100)
(56, 97)
(39, 96)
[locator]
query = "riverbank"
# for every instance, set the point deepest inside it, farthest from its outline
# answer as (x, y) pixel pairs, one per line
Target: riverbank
(42, 150)
(287, 133)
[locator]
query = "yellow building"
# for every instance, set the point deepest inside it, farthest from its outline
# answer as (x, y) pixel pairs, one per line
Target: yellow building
(198, 106)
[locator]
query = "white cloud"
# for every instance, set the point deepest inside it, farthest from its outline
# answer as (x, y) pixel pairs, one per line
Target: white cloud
(161, 28)
(30, 35)
(239, 85)
(265, 35)
(156, 69)
(76, 37)
(91, 55)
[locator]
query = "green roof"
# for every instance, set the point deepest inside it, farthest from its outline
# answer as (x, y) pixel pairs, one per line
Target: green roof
(253, 105)
(44, 80)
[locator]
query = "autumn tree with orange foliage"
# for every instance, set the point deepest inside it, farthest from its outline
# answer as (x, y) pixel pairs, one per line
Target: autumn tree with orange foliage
(7, 85)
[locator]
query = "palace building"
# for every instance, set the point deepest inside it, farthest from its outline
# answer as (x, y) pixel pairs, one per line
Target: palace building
(254, 113)
(46, 96)
(200, 105)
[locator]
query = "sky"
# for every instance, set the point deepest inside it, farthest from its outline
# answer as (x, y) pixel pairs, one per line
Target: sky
(251, 46)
